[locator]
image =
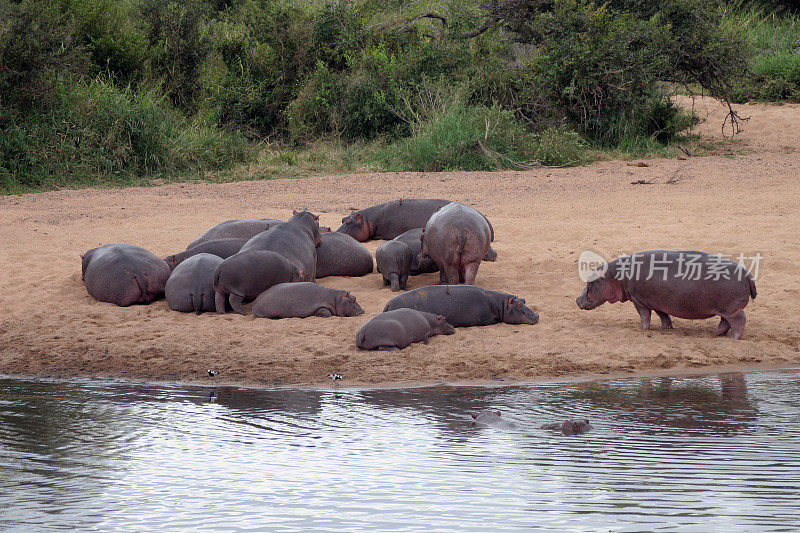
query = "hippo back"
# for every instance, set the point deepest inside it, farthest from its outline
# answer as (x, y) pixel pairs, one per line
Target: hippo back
(461, 305)
(124, 274)
(341, 255)
(292, 242)
(236, 229)
(190, 287)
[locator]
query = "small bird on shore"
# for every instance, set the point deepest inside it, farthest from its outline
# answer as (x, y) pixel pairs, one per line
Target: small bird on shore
(213, 373)
(335, 377)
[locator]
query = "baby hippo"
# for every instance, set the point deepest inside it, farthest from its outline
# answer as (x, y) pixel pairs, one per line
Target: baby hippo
(305, 299)
(190, 287)
(123, 274)
(685, 284)
(247, 274)
(394, 330)
(394, 263)
(570, 427)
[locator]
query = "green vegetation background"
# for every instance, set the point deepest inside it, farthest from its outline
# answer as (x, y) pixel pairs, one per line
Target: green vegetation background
(119, 92)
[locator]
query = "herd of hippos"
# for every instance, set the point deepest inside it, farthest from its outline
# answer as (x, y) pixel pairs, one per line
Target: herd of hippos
(274, 263)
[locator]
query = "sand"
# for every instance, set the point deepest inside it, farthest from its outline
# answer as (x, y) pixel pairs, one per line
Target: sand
(543, 219)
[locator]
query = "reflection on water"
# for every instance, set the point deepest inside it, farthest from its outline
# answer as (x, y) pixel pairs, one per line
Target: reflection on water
(707, 453)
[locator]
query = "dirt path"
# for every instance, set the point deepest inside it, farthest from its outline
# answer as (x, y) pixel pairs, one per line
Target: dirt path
(543, 219)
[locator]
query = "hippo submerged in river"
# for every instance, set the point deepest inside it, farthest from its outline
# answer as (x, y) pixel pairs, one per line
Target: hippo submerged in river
(123, 274)
(466, 305)
(685, 284)
(305, 299)
(491, 419)
(394, 330)
(570, 427)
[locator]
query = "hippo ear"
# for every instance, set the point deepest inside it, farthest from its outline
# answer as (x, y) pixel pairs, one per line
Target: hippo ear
(474, 415)
(82, 255)
(497, 413)
(510, 300)
(294, 211)
(358, 217)
(316, 217)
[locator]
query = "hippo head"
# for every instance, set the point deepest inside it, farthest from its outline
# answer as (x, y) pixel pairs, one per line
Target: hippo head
(599, 291)
(575, 427)
(440, 326)
(324, 229)
(516, 312)
(357, 226)
(310, 221)
(347, 305)
(297, 274)
(171, 261)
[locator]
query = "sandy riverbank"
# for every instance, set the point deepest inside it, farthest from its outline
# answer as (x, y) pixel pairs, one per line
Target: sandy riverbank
(543, 219)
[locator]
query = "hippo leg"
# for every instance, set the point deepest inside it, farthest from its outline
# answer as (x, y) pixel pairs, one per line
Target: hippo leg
(644, 313)
(236, 303)
(323, 312)
(723, 328)
(403, 281)
(666, 321)
(442, 278)
(219, 301)
(470, 272)
(395, 281)
(736, 321)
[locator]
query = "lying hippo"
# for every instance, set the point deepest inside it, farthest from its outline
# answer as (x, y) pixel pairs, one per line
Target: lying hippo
(570, 427)
(466, 305)
(387, 221)
(222, 248)
(190, 287)
(302, 300)
(492, 419)
(245, 275)
(236, 229)
(394, 263)
(341, 255)
(684, 284)
(394, 330)
(123, 274)
(296, 240)
(457, 238)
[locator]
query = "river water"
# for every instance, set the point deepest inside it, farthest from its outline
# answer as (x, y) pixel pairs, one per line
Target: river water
(713, 453)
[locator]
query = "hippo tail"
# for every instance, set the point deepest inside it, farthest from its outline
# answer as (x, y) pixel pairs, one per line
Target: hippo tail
(462, 242)
(197, 301)
(394, 280)
(752, 283)
(142, 283)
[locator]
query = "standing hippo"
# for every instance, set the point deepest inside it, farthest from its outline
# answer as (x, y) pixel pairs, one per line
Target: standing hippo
(570, 427)
(296, 240)
(424, 265)
(387, 221)
(190, 287)
(457, 238)
(123, 274)
(684, 284)
(394, 330)
(342, 255)
(302, 300)
(466, 305)
(394, 263)
(236, 229)
(245, 275)
(492, 419)
(222, 248)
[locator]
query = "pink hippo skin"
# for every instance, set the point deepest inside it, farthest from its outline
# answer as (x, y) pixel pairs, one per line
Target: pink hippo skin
(675, 288)
(124, 274)
(457, 238)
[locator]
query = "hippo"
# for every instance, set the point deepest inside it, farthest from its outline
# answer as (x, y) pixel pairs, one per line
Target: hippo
(570, 427)
(236, 229)
(245, 275)
(302, 300)
(466, 305)
(394, 263)
(296, 240)
(342, 255)
(491, 418)
(387, 221)
(685, 284)
(394, 330)
(424, 265)
(190, 287)
(222, 248)
(123, 274)
(457, 238)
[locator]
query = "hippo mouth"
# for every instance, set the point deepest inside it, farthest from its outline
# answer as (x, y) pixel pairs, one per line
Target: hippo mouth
(586, 305)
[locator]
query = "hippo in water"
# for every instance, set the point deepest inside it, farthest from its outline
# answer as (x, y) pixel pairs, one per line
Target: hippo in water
(245, 275)
(190, 287)
(457, 238)
(236, 229)
(466, 305)
(341, 255)
(222, 248)
(296, 240)
(394, 263)
(684, 284)
(123, 274)
(570, 427)
(394, 330)
(491, 419)
(302, 300)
